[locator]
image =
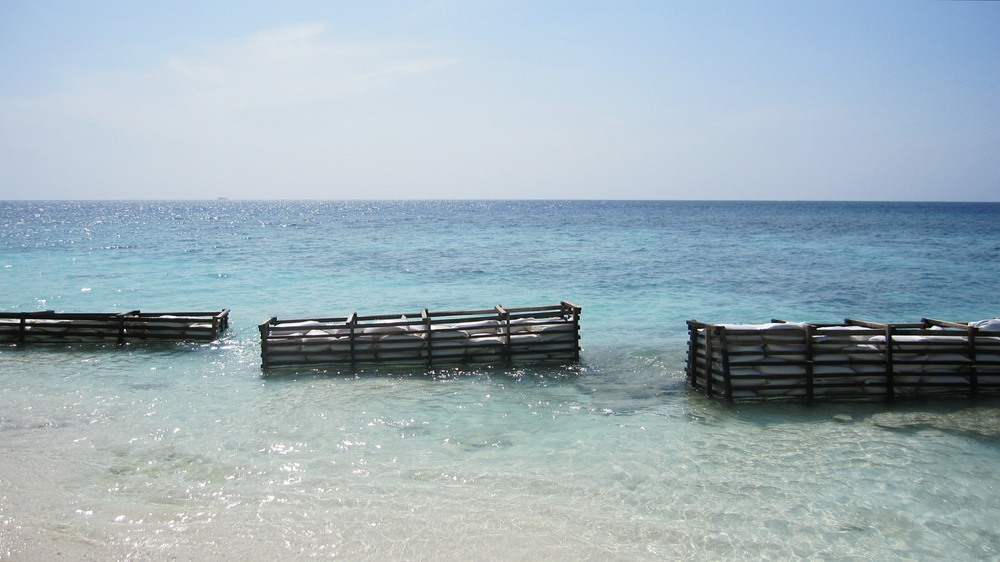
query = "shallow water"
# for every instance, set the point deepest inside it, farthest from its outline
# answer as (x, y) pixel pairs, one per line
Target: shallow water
(188, 450)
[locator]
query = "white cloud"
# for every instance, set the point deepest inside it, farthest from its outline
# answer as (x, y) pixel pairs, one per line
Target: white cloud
(224, 119)
(281, 68)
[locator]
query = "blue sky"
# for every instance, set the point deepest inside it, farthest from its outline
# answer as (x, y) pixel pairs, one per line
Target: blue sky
(497, 100)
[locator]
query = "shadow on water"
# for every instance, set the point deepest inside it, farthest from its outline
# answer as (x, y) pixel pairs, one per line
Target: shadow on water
(519, 372)
(972, 417)
(165, 348)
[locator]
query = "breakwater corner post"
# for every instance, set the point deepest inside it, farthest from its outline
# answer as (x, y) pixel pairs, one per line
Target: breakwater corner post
(692, 359)
(572, 312)
(504, 331)
(265, 330)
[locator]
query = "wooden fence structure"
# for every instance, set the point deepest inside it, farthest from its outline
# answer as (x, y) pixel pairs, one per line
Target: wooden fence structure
(426, 338)
(50, 327)
(855, 358)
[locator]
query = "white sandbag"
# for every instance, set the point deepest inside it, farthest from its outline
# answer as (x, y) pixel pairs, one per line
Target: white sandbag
(481, 327)
(450, 338)
(396, 355)
(833, 370)
(773, 348)
(523, 339)
(989, 325)
(485, 345)
(315, 347)
(755, 340)
(782, 369)
(399, 342)
(735, 360)
(327, 358)
(553, 337)
(749, 349)
(745, 383)
(303, 324)
(521, 325)
(375, 330)
(361, 343)
(564, 326)
(550, 347)
(832, 358)
(862, 369)
(944, 379)
(908, 366)
(532, 356)
(767, 326)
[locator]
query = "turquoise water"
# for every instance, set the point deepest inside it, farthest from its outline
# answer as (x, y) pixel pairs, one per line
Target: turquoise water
(188, 450)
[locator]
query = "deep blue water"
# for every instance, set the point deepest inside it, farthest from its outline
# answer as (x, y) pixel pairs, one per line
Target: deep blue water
(614, 458)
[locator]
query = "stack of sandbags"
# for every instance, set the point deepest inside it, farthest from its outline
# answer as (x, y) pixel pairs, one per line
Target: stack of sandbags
(55, 331)
(768, 355)
(400, 340)
(988, 350)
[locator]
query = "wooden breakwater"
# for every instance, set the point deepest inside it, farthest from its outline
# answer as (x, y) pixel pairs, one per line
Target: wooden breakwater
(467, 336)
(50, 327)
(855, 358)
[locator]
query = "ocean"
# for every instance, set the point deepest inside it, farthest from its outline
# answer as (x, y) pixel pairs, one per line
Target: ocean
(190, 451)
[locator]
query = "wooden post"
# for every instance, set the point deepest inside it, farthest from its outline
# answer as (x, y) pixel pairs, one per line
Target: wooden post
(24, 326)
(709, 334)
(352, 321)
(890, 389)
(121, 328)
(223, 321)
(576, 334)
(425, 316)
(727, 381)
(121, 324)
(265, 331)
(505, 322)
(973, 369)
(692, 353)
(809, 362)
(575, 311)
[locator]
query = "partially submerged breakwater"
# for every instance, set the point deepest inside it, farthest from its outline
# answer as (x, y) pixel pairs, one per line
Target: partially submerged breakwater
(854, 358)
(50, 327)
(467, 336)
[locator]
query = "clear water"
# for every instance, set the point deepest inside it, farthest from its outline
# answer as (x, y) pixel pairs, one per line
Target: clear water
(189, 451)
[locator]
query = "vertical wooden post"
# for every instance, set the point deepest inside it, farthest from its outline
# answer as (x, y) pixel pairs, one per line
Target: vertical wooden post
(121, 329)
(24, 326)
(890, 388)
(425, 316)
(727, 381)
(709, 335)
(973, 367)
(352, 321)
(809, 362)
(505, 322)
(692, 353)
(575, 311)
(265, 332)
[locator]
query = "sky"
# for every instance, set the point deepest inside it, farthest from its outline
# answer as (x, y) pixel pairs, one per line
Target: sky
(873, 100)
